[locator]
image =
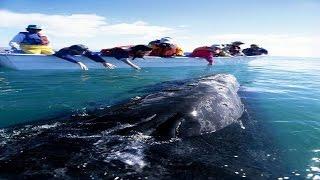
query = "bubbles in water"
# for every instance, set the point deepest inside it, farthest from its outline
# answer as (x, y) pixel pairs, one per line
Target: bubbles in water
(194, 113)
(315, 169)
(316, 177)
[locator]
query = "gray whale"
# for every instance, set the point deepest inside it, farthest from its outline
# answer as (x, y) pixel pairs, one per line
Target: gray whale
(203, 106)
(109, 141)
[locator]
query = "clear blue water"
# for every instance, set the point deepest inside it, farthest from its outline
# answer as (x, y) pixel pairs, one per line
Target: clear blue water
(281, 93)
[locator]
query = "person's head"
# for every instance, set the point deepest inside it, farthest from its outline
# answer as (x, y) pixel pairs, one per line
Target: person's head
(237, 43)
(254, 46)
(154, 43)
(139, 51)
(33, 28)
(166, 45)
(79, 48)
(216, 48)
(166, 40)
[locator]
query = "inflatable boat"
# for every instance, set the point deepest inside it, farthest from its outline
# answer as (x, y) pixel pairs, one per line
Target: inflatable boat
(34, 62)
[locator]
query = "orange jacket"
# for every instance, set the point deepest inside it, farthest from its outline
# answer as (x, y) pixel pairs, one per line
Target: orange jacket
(166, 51)
(179, 51)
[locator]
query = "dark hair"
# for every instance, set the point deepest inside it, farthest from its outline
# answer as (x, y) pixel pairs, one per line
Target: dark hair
(28, 29)
(140, 48)
(137, 48)
(79, 47)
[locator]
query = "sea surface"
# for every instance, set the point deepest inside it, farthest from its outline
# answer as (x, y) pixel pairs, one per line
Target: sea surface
(280, 94)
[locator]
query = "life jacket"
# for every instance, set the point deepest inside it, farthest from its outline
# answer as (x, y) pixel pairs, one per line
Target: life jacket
(164, 50)
(34, 39)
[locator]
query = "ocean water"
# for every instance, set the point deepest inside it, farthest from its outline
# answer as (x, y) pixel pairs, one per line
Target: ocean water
(281, 94)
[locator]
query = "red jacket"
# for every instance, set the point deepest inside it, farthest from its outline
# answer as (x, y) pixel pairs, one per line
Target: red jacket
(203, 52)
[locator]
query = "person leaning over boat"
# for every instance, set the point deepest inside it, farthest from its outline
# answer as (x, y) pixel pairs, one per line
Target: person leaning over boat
(69, 53)
(235, 49)
(124, 54)
(254, 50)
(205, 52)
(165, 48)
(219, 52)
(31, 42)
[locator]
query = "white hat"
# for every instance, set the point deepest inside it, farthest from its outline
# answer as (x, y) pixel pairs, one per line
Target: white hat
(166, 40)
(216, 46)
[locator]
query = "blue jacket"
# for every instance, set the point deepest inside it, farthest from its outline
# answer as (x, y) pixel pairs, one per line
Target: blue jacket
(254, 51)
(69, 54)
(31, 39)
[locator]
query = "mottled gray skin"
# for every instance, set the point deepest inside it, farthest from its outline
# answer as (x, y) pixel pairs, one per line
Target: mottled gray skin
(203, 106)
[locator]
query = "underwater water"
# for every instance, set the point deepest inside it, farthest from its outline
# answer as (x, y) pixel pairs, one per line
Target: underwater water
(281, 96)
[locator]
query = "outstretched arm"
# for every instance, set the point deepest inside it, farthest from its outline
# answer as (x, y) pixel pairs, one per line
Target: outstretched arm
(127, 61)
(97, 58)
(15, 42)
(72, 59)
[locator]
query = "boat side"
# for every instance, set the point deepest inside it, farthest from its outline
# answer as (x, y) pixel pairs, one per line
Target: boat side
(31, 61)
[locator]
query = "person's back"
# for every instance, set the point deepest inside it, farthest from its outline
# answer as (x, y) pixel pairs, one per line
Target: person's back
(203, 52)
(73, 50)
(31, 42)
(254, 50)
(116, 52)
(137, 51)
(70, 53)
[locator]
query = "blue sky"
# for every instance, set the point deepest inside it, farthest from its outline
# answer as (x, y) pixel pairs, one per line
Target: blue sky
(286, 27)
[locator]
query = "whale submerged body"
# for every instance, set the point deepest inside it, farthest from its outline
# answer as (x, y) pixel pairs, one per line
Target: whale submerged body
(95, 144)
(191, 109)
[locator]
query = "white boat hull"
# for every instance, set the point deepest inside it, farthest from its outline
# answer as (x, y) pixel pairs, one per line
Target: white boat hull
(35, 62)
